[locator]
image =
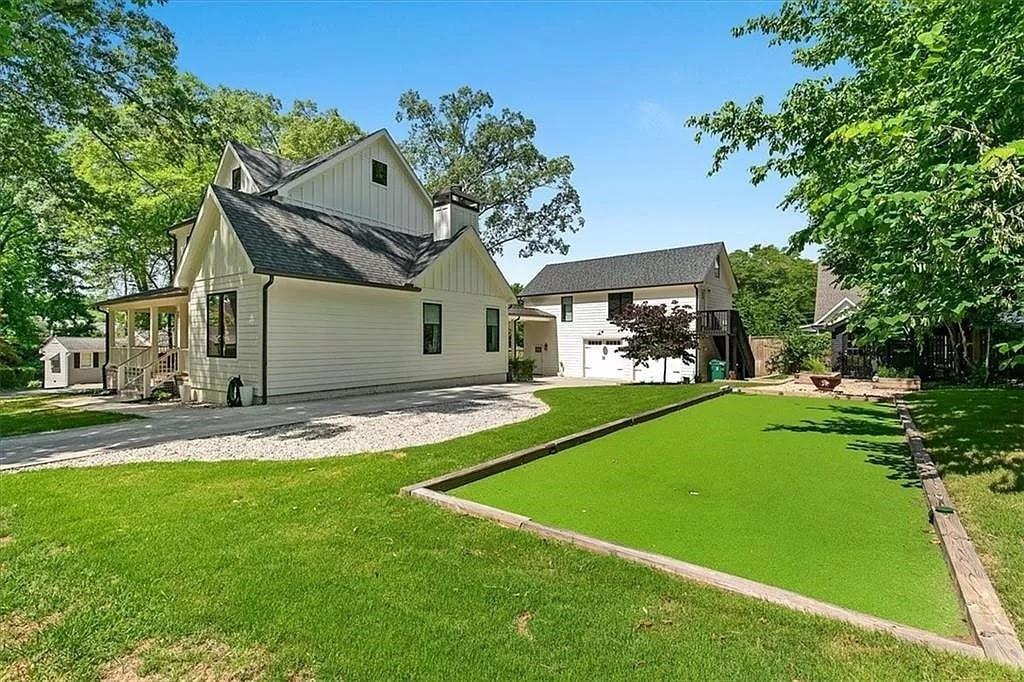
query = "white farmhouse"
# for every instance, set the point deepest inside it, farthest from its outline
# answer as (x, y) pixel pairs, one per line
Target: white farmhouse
(566, 310)
(338, 274)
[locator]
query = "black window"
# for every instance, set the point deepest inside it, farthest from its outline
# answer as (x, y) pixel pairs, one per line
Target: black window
(221, 325)
(567, 309)
(493, 335)
(617, 303)
(77, 360)
(236, 178)
(431, 328)
(95, 360)
(379, 173)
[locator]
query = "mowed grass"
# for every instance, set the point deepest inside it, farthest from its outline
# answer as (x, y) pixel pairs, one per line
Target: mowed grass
(814, 496)
(37, 413)
(320, 568)
(977, 439)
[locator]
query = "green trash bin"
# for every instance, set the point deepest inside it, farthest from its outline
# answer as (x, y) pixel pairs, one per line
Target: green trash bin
(716, 368)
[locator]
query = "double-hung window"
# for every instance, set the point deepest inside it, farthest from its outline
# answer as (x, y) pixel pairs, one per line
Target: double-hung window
(222, 325)
(431, 328)
(567, 309)
(492, 324)
(618, 302)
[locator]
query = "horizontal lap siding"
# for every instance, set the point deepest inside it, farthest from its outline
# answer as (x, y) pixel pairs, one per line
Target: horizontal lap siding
(225, 268)
(590, 320)
(327, 337)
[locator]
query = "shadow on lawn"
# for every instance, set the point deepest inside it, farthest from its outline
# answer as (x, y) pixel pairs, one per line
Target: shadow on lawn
(975, 431)
(863, 422)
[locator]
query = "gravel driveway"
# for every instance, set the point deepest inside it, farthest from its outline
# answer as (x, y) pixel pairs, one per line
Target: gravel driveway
(340, 435)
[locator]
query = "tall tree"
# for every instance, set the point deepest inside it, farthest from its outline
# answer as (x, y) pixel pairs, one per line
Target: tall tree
(775, 289)
(307, 132)
(907, 152)
(527, 198)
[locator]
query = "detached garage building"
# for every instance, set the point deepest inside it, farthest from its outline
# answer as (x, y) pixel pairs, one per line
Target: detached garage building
(567, 309)
(70, 360)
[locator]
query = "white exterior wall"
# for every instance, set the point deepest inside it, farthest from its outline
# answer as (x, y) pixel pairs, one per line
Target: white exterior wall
(54, 379)
(590, 321)
(68, 375)
(225, 267)
(326, 337)
(345, 187)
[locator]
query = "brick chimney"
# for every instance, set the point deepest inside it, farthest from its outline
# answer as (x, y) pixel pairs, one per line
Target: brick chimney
(454, 210)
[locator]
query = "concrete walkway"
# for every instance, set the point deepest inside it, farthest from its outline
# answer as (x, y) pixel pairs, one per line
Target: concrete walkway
(172, 422)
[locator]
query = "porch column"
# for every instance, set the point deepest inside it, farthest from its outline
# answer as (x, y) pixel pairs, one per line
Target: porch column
(182, 320)
(154, 332)
(131, 332)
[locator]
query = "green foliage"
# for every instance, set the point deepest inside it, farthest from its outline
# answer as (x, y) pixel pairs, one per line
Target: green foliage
(905, 152)
(307, 132)
(775, 289)
(527, 198)
(17, 377)
(521, 369)
(657, 332)
(815, 366)
(801, 349)
(886, 372)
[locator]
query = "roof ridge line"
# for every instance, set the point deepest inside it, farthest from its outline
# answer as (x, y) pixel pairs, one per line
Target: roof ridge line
(637, 253)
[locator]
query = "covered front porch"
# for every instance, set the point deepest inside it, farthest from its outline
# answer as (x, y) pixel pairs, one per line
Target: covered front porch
(534, 336)
(147, 334)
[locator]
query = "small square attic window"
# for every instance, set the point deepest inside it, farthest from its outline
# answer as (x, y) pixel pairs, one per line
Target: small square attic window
(379, 173)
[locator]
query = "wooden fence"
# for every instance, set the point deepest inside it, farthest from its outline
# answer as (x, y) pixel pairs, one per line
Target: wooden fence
(764, 349)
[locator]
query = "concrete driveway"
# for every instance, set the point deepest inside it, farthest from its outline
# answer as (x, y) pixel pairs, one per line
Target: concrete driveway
(173, 422)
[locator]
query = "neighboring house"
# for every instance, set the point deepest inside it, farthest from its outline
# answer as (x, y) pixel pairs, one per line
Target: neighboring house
(338, 274)
(70, 360)
(566, 310)
(931, 355)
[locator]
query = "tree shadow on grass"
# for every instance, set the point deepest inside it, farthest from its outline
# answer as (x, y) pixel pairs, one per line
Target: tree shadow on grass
(863, 423)
(974, 432)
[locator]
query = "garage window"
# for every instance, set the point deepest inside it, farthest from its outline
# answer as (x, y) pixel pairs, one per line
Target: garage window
(567, 309)
(618, 302)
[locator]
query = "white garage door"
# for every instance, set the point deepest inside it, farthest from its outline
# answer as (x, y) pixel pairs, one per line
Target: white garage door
(601, 360)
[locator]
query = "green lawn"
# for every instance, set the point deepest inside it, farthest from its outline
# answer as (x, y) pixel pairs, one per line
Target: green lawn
(32, 414)
(977, 439)
(322, 568)
(801, 493)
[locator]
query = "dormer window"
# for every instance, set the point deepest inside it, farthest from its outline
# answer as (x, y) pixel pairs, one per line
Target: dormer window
(236, 178)
(379, 173)
(718, 267)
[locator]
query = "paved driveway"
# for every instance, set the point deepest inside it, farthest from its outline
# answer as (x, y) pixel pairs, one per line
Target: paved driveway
(168, 423)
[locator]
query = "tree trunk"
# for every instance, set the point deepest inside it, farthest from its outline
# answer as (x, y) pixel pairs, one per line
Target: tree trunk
(664, 370)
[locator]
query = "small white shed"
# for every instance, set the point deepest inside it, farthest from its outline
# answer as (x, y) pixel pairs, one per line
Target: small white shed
(70, 360)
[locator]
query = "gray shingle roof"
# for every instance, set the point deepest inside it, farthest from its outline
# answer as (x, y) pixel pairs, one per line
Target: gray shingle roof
(683, 265)
(303, 167)
(265, 168)
(828, 293)
(82, 343)
(299, 242)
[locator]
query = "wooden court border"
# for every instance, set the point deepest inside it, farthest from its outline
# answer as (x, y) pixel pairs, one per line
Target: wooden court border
(434, 490)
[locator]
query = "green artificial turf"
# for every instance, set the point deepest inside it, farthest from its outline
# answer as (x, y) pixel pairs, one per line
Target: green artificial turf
(811, 495)
(977, 439)
(320, 569)
(36, 413)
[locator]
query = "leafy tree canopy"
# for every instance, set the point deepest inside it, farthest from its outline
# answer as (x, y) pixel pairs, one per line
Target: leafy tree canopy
(657, 332)
(907, 151)
(527, 198)
(776, 289)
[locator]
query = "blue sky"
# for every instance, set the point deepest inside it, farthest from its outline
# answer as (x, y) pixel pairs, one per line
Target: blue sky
(608, 84)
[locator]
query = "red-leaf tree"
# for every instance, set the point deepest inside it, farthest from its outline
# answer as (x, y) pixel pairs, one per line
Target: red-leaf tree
(657, 332)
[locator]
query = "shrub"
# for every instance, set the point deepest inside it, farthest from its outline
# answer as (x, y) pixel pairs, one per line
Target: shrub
(520, 369)
(816, 366)
(895, 372)
(16, 377)
(799, 349)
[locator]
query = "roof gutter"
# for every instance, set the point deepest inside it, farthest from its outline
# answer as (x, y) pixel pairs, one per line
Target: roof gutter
(336, 280)
(263, 368)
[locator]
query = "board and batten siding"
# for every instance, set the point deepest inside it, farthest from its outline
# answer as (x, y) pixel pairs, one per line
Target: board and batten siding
(225, 267)
(325, 337)
(346, 187)
(590, 321)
